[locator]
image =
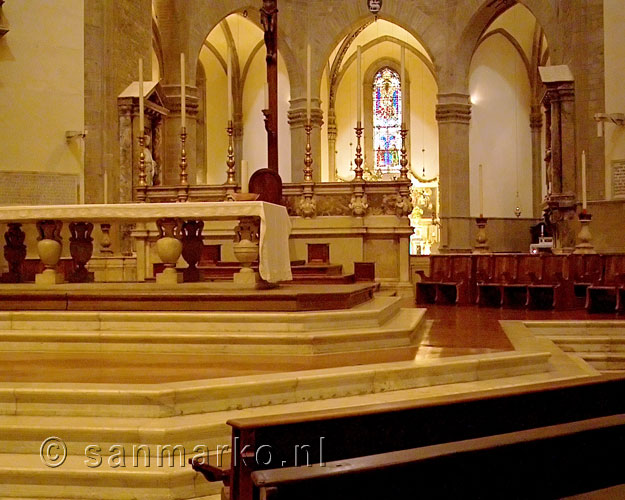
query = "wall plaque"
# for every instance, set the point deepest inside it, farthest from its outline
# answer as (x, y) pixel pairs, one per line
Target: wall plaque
(618, 179)
(36, 188)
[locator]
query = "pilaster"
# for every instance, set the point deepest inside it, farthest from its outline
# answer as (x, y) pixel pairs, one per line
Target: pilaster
(297, 122)
(453, 113)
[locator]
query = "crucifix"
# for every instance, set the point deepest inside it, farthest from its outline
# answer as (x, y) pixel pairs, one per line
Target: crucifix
(269, 21)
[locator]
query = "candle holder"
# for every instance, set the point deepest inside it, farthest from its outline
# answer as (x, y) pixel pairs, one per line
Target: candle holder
(307, 203)
(183, 191)
(403, 162)
(584, 245)
(142, 188)
(308, 161)
(231, 181)
(358, 171)
(481, 239)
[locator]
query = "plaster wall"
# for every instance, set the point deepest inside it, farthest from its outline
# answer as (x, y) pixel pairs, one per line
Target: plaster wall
(614, 20)
(500, 136)
(42, 87)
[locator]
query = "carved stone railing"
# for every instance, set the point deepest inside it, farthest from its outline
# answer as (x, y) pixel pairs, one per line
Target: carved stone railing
(262, 233)
(355, 199)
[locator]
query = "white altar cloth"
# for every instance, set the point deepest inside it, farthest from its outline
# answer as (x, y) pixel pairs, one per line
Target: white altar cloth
(275, 225)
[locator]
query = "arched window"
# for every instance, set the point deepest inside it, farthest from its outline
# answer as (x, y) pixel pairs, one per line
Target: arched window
(387, 118)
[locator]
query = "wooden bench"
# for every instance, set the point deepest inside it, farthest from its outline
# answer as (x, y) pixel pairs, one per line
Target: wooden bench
(450, 281)
(490, 289)
(355, 432)
(603, 296)
(554, 289)
(584, 270)
(543, 462)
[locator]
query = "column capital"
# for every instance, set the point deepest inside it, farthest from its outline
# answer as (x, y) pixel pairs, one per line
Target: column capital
(297, 113)
(453, 108)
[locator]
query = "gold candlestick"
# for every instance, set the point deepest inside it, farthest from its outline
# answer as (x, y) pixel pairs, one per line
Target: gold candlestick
(403, 162)
(183, 191)
(231, 181)
(358, 171)
(308, 161)
(141, 190)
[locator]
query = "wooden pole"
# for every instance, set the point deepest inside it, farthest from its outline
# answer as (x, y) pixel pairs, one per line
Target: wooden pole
(269, 21)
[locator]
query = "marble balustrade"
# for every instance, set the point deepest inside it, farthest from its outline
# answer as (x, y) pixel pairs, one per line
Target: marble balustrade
(262, 233)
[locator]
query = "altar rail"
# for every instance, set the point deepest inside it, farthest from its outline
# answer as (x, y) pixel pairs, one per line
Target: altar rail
(262, 234)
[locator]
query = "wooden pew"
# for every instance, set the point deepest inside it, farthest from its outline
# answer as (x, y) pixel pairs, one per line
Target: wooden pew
(584, 270)
(504, 272)
(554, 289)
(529, 270)
(450, 281)
(353, 432)
(603, 296)
(440, 270)
(544, 462)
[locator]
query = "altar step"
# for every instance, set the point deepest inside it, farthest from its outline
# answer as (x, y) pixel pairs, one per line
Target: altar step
(24, 477)
(182, 297)
(600, 343)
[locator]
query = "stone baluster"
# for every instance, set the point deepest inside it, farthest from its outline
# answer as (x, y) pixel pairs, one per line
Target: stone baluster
(49, 247)
(81, 250)
(169, 248)
(246, 240)
(192, 246)
(14, 253)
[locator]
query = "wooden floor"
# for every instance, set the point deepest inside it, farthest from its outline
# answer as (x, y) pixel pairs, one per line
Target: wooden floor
(461, 330)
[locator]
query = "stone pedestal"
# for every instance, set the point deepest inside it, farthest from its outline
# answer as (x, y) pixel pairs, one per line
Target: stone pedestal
(49, 248)
(169, 248)
(481, 239)
(245, 249)
(584, 245)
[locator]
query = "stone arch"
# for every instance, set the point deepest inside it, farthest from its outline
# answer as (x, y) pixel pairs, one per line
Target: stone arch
(474, 16)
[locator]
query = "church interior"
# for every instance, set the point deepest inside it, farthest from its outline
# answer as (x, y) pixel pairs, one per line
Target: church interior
(387, 233)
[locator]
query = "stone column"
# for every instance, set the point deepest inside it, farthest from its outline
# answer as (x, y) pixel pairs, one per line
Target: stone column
(297, 121)
(561, 201)
(536, 126)
(171, 136)
(332, 132)
(453, 113)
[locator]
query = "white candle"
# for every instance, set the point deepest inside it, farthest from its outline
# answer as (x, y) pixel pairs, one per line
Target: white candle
(402, 80)
(359, 85)
(481, 183)
(584, 201)
(266, 89)
(141, 109)
(599, 129)
(244, 174)
(106, 185)
(183, 92)
(308, 84)
(229, 85)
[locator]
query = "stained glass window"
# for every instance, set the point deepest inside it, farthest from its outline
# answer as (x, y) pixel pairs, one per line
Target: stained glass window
(387, 120)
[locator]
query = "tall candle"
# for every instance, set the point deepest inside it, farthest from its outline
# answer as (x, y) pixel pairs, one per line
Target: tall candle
(359, 85)
(402, 80)
(244, 174)
(584, 200)
(106, 184)
(141, 109)
(266, 96)
(599, 129)
(308, 84)
(481, 182)
(229, 85)
(183, 92)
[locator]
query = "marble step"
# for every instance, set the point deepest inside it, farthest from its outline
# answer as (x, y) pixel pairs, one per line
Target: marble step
(400, 330)
(24, 476)
(371, 314)
(203, 396)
